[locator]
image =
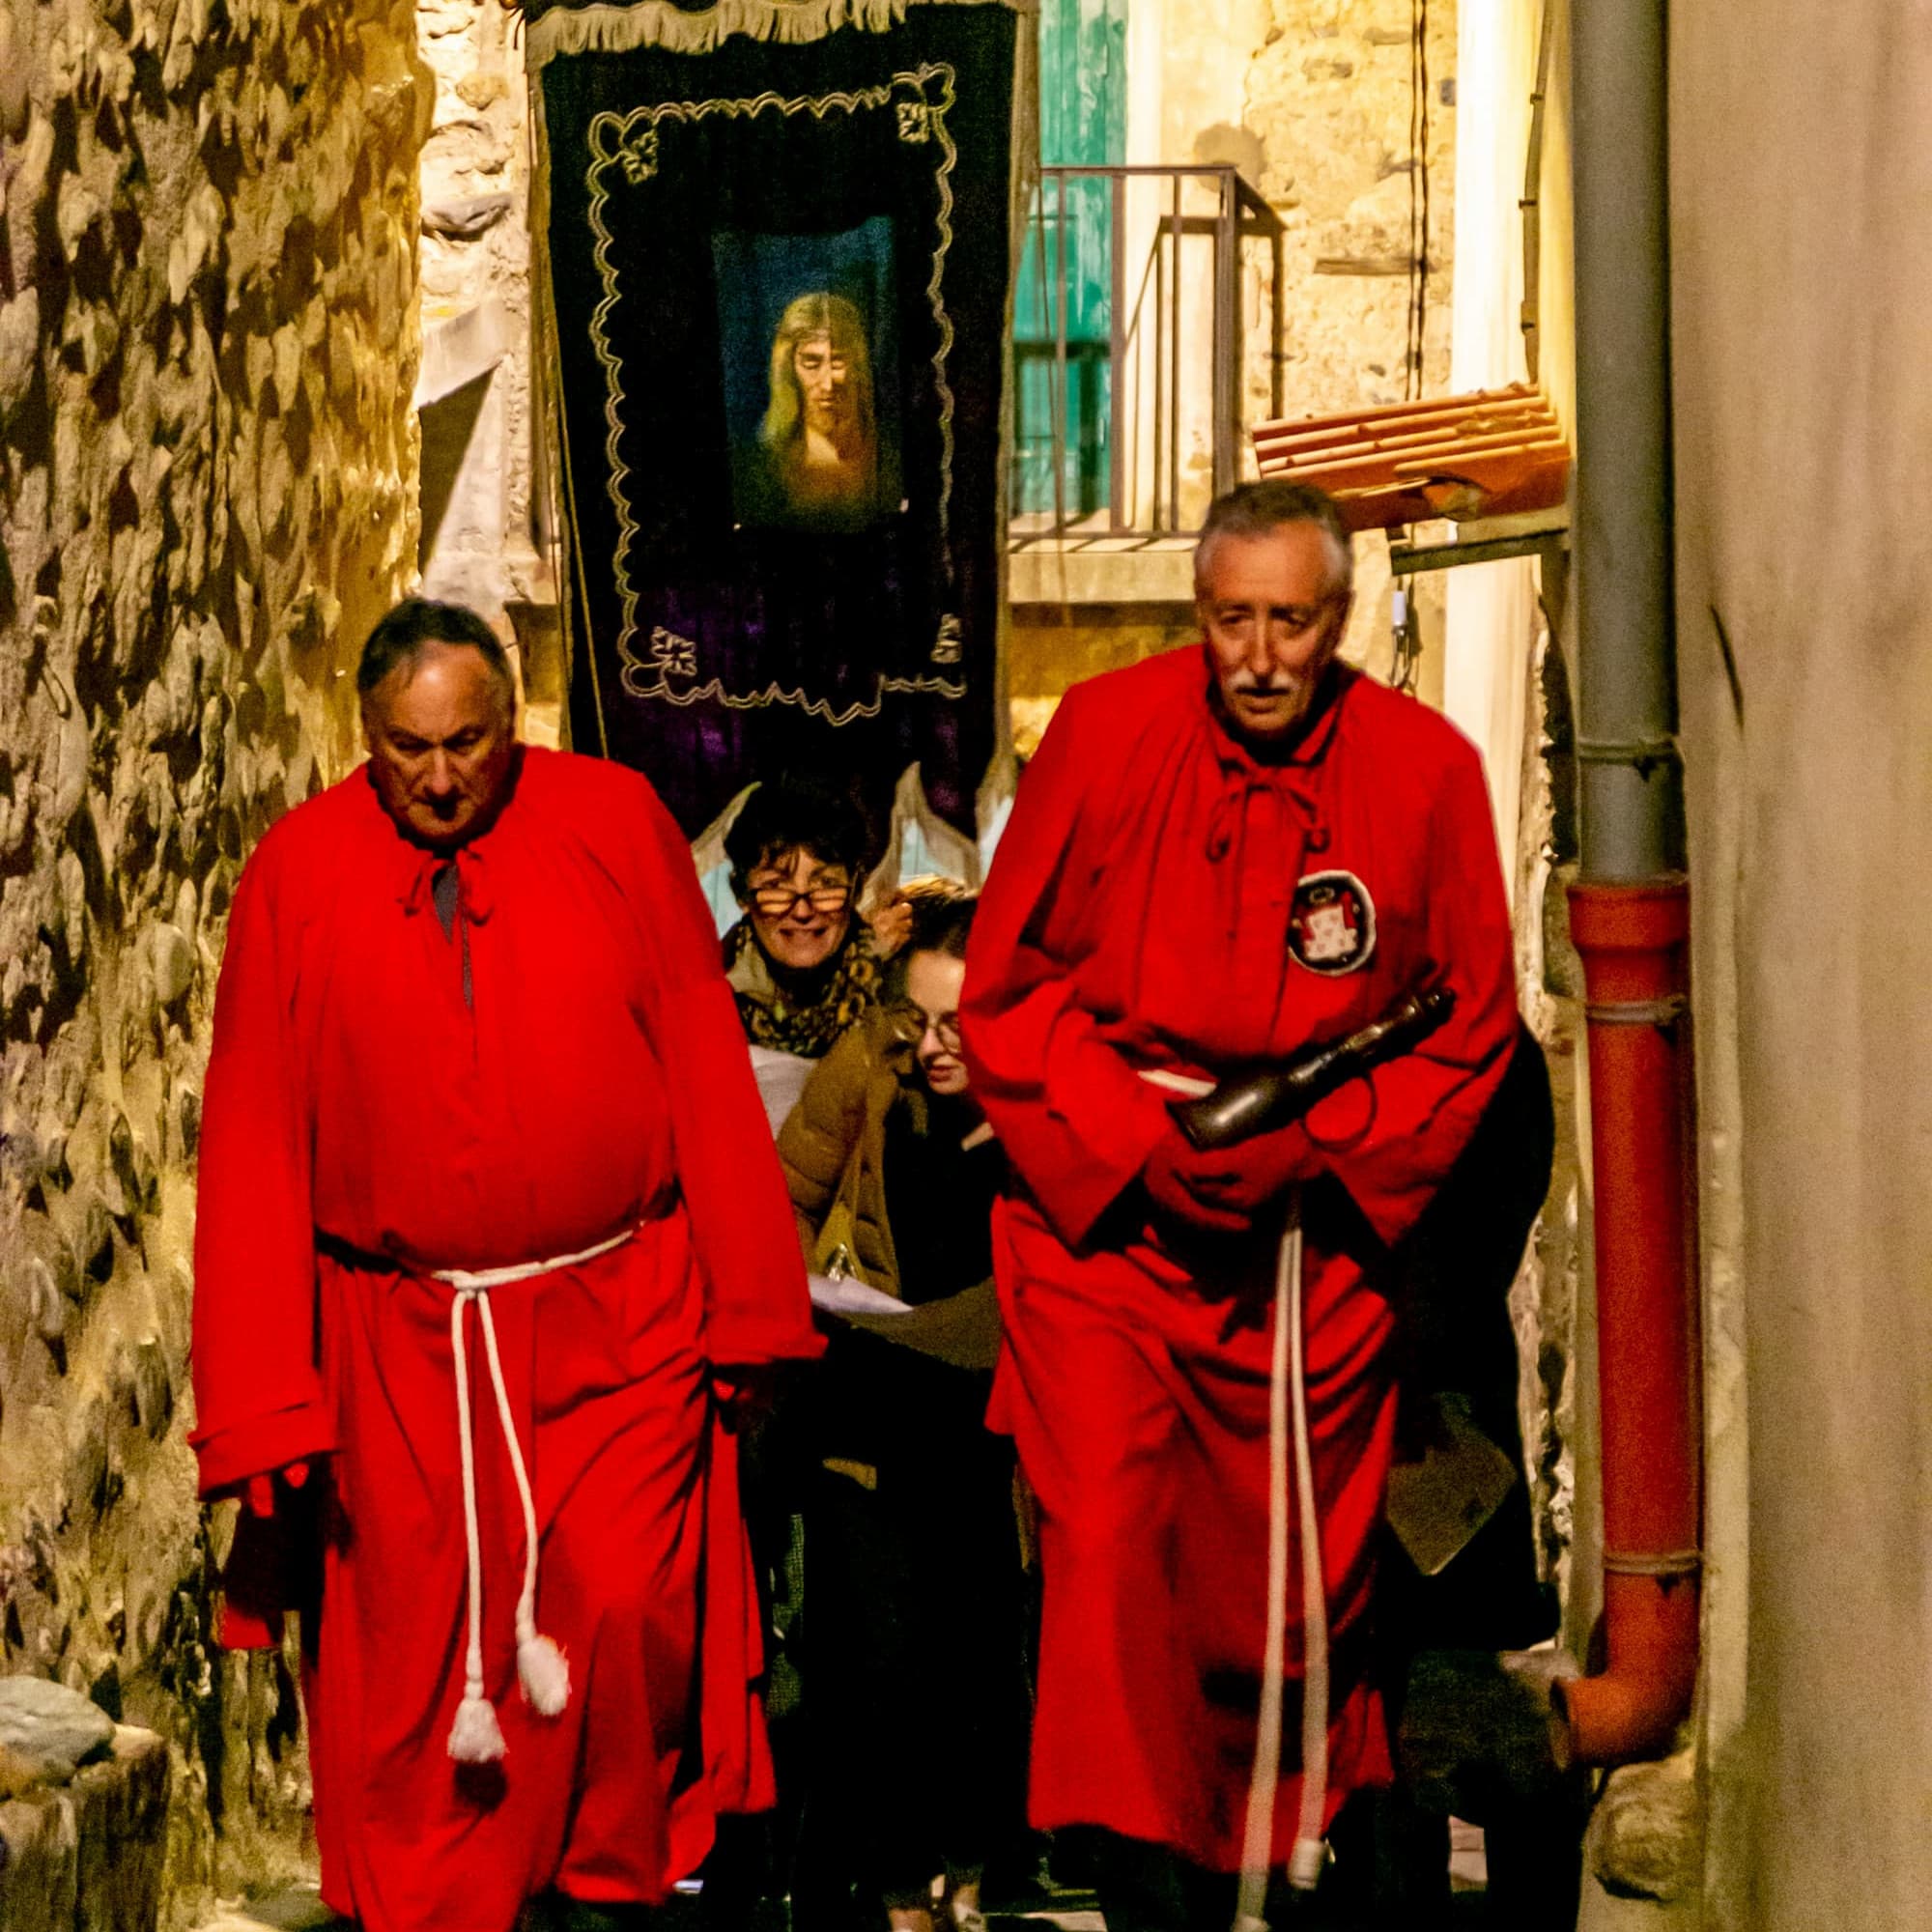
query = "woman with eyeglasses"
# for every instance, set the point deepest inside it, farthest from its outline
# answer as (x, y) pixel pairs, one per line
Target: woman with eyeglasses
(802, 967)
(916, 1726)
(802, 963)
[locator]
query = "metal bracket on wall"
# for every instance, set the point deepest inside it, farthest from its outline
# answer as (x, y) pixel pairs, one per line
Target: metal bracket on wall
(1486, 540)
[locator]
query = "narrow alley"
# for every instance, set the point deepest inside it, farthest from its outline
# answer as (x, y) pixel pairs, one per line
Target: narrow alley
(1290, 645)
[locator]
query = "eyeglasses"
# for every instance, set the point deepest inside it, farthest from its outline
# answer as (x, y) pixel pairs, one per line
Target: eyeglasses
(943, 1027)
(776, 899)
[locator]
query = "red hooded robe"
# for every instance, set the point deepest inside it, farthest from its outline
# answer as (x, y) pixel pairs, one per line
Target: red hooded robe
(1162, 900)
(366, 1125)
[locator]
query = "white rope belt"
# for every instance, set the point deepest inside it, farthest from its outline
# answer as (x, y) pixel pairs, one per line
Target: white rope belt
(476, 1737)
(1287, 1417)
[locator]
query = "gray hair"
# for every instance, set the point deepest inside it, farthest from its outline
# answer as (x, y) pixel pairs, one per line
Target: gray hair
(1255, 509)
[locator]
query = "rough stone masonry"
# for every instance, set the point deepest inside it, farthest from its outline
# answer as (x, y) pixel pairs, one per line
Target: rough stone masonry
(207, 459)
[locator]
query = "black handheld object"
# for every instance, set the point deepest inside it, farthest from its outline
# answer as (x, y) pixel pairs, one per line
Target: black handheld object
(1255, 1103)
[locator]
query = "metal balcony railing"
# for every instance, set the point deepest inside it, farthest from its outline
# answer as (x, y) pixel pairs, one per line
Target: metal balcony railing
(1131, 330)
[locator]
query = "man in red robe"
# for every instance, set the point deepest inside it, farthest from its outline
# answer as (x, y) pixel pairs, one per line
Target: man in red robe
(1216, 861)
(493, 1240)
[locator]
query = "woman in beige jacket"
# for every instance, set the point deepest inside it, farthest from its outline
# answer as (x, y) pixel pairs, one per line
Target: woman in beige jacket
(917, 1718)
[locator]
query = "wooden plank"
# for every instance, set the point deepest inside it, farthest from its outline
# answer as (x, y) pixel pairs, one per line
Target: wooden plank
(1380, 413)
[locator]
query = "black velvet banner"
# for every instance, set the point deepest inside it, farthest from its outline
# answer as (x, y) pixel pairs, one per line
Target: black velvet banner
(778, 279)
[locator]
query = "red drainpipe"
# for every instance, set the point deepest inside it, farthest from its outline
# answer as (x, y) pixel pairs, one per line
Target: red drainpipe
(1632, 939)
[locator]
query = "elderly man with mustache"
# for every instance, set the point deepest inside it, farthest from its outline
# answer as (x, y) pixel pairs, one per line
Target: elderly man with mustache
(1218, 858)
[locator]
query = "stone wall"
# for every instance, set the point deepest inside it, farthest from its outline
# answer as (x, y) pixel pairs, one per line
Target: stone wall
(1328, 99)
(1051, 647)
(1312, 101)
(208, 343)
(1328, 103)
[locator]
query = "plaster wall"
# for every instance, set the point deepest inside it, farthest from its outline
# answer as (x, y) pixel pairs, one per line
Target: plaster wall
(1804, 664)
(1491, 621)
(207, 340)
(1508, 645)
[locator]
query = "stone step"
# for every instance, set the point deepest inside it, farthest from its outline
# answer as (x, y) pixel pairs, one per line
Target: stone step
(297, 1909)
(85, 1855)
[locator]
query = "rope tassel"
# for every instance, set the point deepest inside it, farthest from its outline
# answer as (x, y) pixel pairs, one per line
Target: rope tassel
(544, 1671)
(541, 1666)
(476, 1737)
(1287, 1432)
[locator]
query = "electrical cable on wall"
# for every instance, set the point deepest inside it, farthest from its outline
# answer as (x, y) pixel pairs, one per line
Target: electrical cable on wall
(1418, 196)
(1406, 634)
(1409, 359)
(1422, 166)
(1404, 620)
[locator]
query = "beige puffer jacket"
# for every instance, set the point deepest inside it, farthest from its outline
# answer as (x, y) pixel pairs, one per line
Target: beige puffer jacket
(834, 1143)
(834, 1138)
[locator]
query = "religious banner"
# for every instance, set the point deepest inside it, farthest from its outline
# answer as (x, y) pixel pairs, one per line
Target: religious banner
(777, 239)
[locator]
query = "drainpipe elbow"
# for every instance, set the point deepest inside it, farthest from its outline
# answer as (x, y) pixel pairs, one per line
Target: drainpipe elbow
(1632, 1708)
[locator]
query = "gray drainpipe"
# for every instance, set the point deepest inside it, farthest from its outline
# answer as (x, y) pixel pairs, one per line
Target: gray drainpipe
(1631, 788)
(1630, 907)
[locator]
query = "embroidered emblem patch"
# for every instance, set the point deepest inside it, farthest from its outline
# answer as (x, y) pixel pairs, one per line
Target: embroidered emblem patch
(1332, 926)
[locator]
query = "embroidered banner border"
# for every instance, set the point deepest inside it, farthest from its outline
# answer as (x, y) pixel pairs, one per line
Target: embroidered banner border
(629, 145)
